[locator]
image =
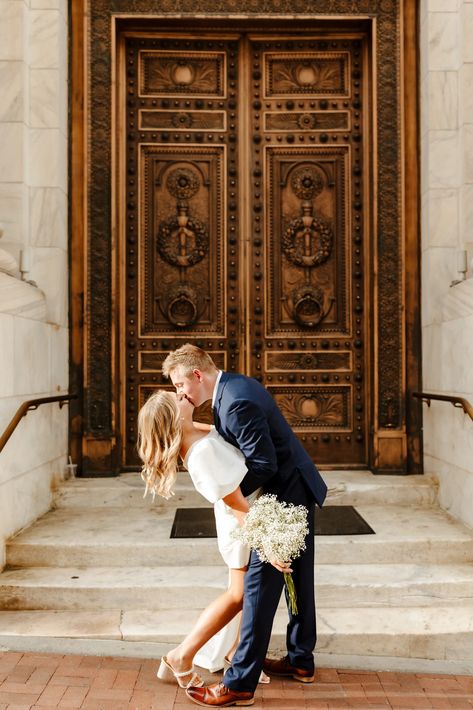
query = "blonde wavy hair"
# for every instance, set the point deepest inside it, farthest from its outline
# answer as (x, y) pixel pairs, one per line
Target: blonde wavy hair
(159, 442)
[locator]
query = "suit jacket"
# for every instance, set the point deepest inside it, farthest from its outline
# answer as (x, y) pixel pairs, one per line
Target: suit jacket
(247, 416)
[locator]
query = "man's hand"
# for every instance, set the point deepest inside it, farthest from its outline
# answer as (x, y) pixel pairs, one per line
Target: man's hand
(284, 567)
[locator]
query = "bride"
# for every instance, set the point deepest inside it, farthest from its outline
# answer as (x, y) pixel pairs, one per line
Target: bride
(166, 432)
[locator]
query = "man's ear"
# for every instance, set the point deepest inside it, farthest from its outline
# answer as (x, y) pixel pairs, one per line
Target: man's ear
(198, 374)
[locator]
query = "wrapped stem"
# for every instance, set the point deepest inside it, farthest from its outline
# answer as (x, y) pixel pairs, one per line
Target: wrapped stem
(291, 590)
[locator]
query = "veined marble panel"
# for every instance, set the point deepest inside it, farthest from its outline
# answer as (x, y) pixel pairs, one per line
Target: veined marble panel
(467, 32)
(423, 10)
(443, 5)
(44, 98)
(443, 218)
(49, 5)
(424, 104)
(48, 217)
(31, 357)
(40, 438)
(424, 163)
(47, 158)
(443, 100)
(45, 27)
(61, 5)
(64, 105)
(59, 359)
(24, 499)
(424, 47)
(468, 153)
(425, 220)
(444, 41)
(432, 359)
(467, 214)
(6, 353)
(466, 93)
(455, 486)
(447, 353)
(21, 298)
(49, 271)
(458, 303)
(11, 154)
(11, 91)
(457, 349)
(12, 196)
(438, 271)
(444, 159)
(63, 47)
(11, 29)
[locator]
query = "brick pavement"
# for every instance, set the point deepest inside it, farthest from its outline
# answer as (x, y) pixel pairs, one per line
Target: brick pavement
(48, 681)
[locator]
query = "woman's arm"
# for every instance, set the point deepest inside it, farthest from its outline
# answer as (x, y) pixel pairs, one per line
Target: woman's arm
(238, 503)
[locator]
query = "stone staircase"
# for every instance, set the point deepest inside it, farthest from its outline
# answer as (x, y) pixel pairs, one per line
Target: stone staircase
(99, 574)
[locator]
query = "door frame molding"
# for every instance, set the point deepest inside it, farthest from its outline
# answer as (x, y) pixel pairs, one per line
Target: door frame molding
(95, 445)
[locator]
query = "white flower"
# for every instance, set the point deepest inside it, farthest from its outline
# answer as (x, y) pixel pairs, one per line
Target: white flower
(276, 531)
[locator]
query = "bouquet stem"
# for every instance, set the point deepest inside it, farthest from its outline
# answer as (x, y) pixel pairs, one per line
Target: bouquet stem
(291, 590)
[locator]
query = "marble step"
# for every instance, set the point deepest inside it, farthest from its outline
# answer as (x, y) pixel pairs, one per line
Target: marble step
(345, 488)
(73, 537)
(397, 632)
(162, 588)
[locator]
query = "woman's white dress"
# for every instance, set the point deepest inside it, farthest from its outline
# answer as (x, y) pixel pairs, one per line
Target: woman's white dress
(217, 469)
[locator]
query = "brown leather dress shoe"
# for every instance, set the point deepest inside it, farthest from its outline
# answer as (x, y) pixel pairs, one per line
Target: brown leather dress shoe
(282, 667)
(218, 696)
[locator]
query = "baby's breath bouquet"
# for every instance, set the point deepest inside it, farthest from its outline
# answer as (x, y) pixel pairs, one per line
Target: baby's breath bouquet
(276, 531)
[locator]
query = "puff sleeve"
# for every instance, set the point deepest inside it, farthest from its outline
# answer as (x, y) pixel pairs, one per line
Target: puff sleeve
(215, 466)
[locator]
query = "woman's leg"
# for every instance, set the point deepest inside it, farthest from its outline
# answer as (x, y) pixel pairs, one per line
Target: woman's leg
(231, 652)
(213, 618)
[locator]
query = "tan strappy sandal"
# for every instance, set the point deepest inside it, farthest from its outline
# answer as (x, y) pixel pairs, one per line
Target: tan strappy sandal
(167, 674)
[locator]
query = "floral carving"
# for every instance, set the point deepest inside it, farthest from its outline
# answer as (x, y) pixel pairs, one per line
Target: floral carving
(182, 183)
(313, 409)
(307, 183)
(307, 76)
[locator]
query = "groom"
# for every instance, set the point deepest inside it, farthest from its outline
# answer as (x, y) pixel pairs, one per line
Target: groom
(247, 417)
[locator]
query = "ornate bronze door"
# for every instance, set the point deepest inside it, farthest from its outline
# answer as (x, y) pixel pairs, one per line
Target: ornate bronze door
(245, 222)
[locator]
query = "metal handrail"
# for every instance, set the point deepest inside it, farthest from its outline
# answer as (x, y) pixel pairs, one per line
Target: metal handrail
(459, 402)
(29, 406)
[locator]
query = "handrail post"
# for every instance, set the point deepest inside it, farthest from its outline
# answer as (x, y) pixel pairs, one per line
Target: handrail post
(458, 402)
(29, 406)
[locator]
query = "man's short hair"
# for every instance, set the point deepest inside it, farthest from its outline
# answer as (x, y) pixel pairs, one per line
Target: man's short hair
(190, 358)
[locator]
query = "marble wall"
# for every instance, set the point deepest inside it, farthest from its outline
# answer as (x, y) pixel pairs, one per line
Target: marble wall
(446, 41)
(33, 217)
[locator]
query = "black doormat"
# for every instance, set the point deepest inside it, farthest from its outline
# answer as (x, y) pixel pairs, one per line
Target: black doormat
(330, 520)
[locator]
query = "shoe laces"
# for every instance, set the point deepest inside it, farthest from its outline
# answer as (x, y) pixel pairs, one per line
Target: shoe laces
(220, 689)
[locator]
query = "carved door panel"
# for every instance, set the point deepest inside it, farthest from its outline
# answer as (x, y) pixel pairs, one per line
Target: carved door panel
(307, 297)
(243, 225)
(182, 227)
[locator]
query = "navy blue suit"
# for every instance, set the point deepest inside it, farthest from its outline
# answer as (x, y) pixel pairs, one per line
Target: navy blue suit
(247, 416)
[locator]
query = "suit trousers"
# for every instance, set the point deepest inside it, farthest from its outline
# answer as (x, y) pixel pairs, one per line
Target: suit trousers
(262, 592)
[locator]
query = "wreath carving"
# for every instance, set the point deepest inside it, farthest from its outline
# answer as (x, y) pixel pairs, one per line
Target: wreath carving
(293, 242)
(168, 242)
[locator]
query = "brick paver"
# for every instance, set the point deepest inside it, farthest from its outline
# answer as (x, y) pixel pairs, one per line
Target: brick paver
(51, 681)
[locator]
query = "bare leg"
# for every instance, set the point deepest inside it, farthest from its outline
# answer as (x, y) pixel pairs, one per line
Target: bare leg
(213, 618)
(235, 645)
